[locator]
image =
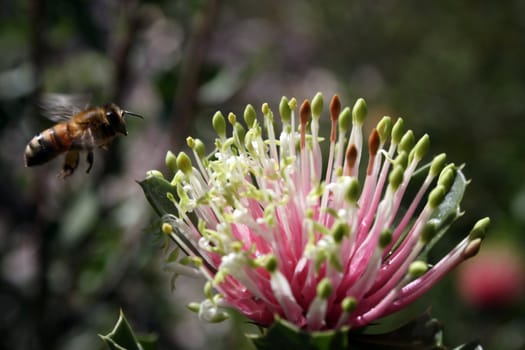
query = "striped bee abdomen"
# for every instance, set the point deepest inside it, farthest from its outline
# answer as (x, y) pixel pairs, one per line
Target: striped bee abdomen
(47, 145)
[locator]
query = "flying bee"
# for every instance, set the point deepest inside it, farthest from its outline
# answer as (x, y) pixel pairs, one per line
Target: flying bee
(77, 130)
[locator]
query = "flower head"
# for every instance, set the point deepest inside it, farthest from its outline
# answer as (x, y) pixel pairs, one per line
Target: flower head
(280, 230)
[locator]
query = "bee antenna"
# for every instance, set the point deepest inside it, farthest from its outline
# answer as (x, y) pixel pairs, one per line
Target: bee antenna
(131, 114)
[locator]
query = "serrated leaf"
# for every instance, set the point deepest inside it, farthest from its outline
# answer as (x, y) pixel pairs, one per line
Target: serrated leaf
(423, 333)
(156, 190)
(284, 335)
(448, 211)
(148, 342)
(470, 346)
(122, 337)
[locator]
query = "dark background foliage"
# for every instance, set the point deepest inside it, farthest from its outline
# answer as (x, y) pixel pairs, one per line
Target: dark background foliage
(73, 252)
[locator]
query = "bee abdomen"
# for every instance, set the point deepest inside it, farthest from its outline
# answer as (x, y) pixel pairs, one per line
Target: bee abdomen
(47, 145)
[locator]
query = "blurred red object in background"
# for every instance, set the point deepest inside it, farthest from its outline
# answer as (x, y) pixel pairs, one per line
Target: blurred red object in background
(494, 278)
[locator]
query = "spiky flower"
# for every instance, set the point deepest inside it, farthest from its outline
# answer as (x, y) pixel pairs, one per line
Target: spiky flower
(280, 231)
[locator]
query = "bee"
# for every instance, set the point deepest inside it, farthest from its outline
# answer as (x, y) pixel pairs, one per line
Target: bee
(77, 130)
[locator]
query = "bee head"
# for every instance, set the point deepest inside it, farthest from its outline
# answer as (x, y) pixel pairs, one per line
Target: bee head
(115, 116)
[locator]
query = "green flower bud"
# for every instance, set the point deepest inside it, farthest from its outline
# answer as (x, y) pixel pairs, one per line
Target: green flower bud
(385, 238)
(196, 261)
(250, 116)
(352, 192)
(447, 176)
(184, 163)
(384, 127)
(236, 246)
(284, 110)
(421, 148)
(199, 148)
(348, 304)
(219, 124)
(417, 269)
(324, 288)
(292, 104)
(407, 142)
(218, 317)
(428, 232)
(479, 229)
(436, 196)
(167, 228)
(194, 307)
(359, 111)
(190, 142)
(171, 161)
(265, 108)
(396, 177)
(397, 131)
(208, 290)
(309, 213)
(345, 119)
(401, 160)
(177, 178)
(271, 263)
(317, 105)
(340, 231)
(239, 130)
(437, 164)
(232, 118)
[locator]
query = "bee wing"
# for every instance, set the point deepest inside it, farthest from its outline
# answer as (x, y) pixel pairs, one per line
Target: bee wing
(60, 107)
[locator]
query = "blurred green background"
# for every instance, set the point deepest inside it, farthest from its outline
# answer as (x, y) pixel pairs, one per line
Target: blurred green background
(73, 252)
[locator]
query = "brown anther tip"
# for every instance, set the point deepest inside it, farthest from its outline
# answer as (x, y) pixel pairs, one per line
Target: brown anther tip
(351, 156)
(373, 142)
(335, 107)
(472, 248)
(373, 147)
(305, 112)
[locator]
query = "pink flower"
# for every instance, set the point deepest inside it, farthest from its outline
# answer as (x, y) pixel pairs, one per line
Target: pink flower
(276, 235)
(495, 278)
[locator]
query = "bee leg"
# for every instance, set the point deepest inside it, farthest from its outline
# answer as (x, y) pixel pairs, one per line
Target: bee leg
(89, 160)
(70, 164)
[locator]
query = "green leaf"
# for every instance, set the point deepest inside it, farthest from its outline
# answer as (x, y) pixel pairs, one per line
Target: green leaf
(147, 341)
(122, 337)
(470, 346)
(156, 190)
(423, 333)
(449, 210)
(284, 335)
